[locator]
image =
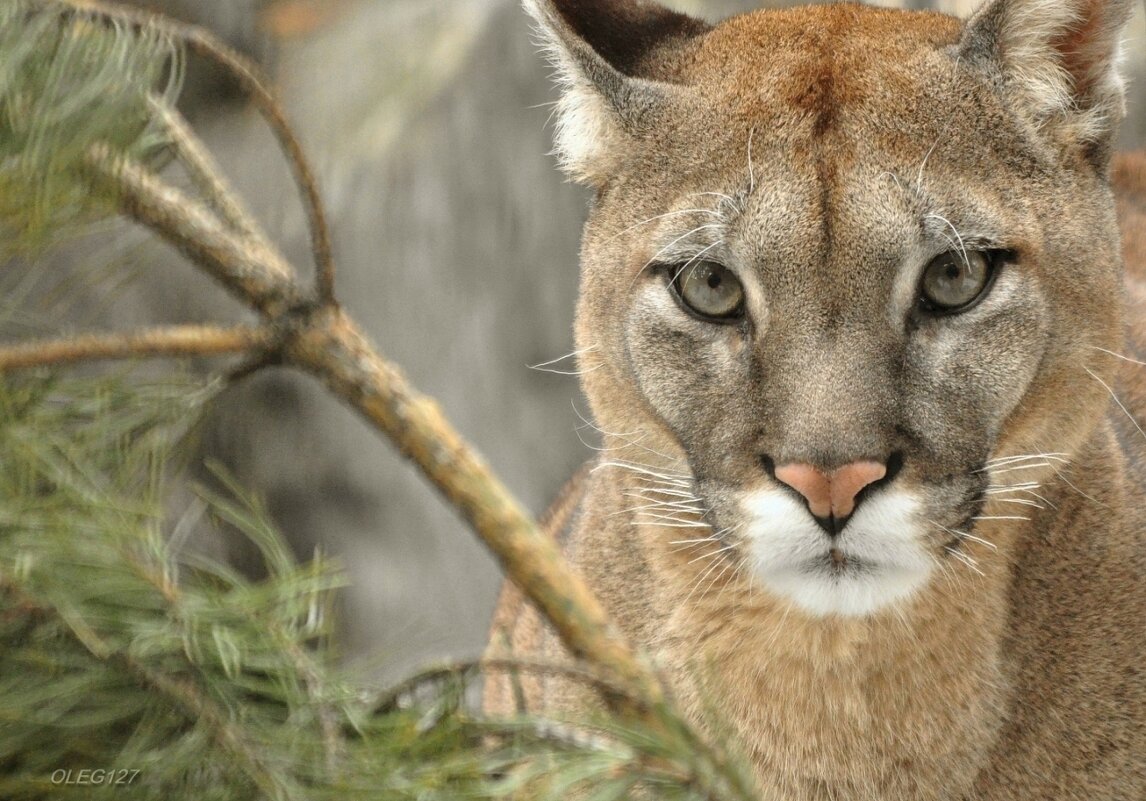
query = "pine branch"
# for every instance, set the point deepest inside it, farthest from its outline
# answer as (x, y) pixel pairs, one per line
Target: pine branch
(326, 342)
(312, 333)
(252, 80)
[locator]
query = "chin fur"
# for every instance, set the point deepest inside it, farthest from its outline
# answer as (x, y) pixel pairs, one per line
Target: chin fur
(879, 559)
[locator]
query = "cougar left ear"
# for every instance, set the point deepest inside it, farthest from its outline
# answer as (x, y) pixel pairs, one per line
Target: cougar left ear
(614, 61)
(1058, 61)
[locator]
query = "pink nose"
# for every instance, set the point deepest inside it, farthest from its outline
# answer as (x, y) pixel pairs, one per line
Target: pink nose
(832, 494)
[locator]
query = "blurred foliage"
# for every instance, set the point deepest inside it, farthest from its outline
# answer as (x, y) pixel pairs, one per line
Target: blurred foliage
(70, 80)
(123, 649)
(132, 665)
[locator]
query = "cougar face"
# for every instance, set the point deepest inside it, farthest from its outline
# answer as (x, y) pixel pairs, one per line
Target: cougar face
(849, 306)
(871, 490)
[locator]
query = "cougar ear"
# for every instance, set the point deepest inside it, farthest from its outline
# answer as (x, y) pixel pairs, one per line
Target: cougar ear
(1059, 61)
(614, 64)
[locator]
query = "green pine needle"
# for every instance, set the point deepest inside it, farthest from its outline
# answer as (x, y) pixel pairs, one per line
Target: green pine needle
(70, 80)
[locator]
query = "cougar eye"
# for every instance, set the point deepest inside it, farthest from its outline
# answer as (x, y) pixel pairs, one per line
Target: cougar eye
(710, 290)
(954, 280)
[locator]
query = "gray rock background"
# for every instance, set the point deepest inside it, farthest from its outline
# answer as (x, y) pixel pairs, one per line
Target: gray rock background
(456, 242)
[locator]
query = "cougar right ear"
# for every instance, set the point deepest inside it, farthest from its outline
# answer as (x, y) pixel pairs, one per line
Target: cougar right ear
(614, 64)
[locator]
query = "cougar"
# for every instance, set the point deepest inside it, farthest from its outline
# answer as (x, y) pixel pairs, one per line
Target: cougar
(865, 346)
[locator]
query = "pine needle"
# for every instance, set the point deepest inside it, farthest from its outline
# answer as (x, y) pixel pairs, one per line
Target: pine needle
(68, 82)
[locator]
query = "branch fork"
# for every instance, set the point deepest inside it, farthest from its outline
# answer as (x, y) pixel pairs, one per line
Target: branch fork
(304, 327)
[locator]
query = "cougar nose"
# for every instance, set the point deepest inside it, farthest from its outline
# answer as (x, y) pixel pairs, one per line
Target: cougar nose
(831, 496)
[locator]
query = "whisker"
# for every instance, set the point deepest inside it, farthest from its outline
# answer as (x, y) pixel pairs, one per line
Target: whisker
(1120, 356)
(696, 258)
(1125, 411)
(960, 246)
(1000, 517)
(660, 489)
(1070, 484)
(694, 541)
(662, 524)
(965, 535)
(751, 169)
(1000, 471)
(547, 367)
(728, 565)
(1001, 460)
(675, 506)
(1021, 502)
(668, 478)
(710, 554)
(1023, 486)
(680, 238)
(965, 559)
(675, 213)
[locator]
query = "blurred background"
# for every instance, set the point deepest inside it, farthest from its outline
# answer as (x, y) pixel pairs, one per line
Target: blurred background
(456, 241)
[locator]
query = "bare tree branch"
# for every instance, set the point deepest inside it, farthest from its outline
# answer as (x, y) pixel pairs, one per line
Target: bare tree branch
(186, 340)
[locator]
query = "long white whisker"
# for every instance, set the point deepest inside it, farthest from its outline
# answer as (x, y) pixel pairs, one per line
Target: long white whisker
(751, 170)
(669, 478)
(960, 246)
(1002, 460)
(1120, 356)
(675, 213)
(1020, 501)
(696, 258)
(695, 541)
(1034, 466)
(680, 238)
(965, 559)
(711, 554)
(1125, 411)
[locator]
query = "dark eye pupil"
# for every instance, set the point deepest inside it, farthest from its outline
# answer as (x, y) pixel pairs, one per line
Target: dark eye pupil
(953, 280)
(710, 290)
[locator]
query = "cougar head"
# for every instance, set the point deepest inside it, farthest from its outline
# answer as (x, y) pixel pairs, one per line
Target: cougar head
(848, 269)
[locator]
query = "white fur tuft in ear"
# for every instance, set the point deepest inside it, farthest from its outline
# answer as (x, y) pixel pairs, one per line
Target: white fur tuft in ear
(1061, 60)
(606, 54)
(586, 133)
(587, 128)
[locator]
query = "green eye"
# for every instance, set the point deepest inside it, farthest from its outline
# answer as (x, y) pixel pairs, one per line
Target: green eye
(710, 290)
(954, 280)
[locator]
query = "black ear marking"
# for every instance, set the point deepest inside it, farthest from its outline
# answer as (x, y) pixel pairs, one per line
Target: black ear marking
(626, 32)
(617, 63)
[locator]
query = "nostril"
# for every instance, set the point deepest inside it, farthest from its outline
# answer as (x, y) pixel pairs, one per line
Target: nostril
(769, 466)
(894, 465)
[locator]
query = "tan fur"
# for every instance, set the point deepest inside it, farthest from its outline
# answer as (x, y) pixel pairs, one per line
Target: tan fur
(1020, 679)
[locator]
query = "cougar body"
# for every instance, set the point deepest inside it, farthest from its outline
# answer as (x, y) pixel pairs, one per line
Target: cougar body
(884, 518)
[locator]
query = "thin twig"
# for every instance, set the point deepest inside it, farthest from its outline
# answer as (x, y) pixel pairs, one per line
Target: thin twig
(586, 673)
(183, 340)
(206, 173)
(254, 273)
(251, 77)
